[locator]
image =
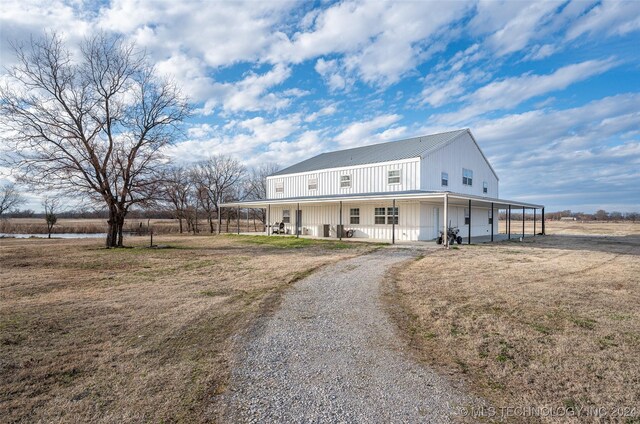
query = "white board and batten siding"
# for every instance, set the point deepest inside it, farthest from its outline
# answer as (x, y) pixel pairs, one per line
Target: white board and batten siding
(369, 178)
(315, 217)
(461, 153)
(416, 220)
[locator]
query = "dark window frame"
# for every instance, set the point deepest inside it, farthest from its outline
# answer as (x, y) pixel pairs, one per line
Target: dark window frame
(354, 216)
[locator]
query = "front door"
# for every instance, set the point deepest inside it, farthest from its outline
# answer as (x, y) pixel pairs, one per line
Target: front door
(436, 222)
(299, 221)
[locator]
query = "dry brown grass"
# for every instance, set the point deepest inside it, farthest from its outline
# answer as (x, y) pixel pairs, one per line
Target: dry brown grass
(604, 228)
(159, 226)
(89, 334)
(553, 321)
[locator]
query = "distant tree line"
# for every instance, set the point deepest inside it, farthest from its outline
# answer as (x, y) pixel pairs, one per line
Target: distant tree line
(600, 215)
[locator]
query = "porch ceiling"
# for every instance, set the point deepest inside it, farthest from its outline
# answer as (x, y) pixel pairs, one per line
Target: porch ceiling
(454, 199)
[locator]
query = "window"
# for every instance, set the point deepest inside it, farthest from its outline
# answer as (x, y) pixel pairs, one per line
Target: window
(467, 219)
(467, 177)
(393, 177)
(385, 216)
(490, 213)
(391, 217)
(380, 215)
(354, 216)
(286, 216)
(279, 187)
(345, 181)
(444, 178)
(485, 187)
(313, 183)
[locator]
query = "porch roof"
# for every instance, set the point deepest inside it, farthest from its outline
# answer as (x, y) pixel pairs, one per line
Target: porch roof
(412, 195)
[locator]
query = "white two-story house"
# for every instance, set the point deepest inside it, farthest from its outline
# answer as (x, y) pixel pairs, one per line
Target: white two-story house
(400, 190)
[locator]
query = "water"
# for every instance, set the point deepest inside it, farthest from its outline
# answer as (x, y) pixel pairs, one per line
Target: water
(60, 235)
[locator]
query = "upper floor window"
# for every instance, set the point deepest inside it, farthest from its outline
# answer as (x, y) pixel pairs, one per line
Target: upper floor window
(286, 216)
(313, 183)
(467, 177)
(345, 181)
(354, 216)
(485, 187)
(279, 187)
(393, 177)
(444, 179)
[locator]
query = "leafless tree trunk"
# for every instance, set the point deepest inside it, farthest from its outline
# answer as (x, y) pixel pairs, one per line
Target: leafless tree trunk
(219, 176)
(257, 186)
(10, 198)
(50, 213)
(177, 189)
(92, 125)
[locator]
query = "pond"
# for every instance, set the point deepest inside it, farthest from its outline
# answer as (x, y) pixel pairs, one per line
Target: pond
(59, 236)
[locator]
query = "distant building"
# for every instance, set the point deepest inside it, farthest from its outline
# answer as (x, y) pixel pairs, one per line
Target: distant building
(567, 218)
(399, 190)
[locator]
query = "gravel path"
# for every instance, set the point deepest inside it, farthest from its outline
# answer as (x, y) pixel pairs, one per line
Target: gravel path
(331, 354)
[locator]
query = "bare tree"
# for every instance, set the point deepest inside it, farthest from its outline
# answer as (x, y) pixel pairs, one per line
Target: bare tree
(10, 198)
(177, 188)
(219, 176)
(93, 125)
(257, 186)
(50, 213)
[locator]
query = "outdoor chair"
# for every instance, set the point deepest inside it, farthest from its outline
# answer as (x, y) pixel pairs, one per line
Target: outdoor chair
(278, 228)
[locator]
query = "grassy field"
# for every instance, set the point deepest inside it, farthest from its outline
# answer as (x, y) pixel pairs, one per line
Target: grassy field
(551, 322)
(159, 226)
(135, 334)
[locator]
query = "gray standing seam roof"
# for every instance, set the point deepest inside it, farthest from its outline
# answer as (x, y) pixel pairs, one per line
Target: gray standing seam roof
(381, 152)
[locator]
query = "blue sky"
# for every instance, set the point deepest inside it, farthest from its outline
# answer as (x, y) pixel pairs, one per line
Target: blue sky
(551, 90)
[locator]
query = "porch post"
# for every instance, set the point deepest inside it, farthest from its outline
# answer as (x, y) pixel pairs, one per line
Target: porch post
(534, 221)
(446, 216)
(393, 223)
(469, 238)
(268, 223)
(509, 224)
(238, 219)
(340, 220)
(543, 233)
(492, 219)
(297, 217)
(523, 222)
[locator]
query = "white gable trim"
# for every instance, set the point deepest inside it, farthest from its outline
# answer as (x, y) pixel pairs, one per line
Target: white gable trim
(451, 140)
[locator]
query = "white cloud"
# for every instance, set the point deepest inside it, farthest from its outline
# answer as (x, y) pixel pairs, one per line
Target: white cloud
(221, 34)
(609, 18)
(594, 148)
(381, 41)
(325, 111)
(444, 92)
(366, 132)
(332, 72)
(510, 92)
(518, 32)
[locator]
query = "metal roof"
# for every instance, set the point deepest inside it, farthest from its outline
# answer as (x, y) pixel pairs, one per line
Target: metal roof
(381, 152)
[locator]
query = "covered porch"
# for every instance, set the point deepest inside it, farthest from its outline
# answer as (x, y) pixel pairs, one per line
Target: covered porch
(397, 216)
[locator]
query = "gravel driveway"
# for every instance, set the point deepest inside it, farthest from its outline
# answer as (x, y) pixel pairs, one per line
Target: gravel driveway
(331, 354)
